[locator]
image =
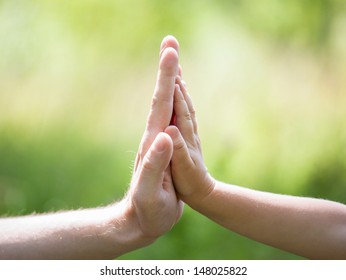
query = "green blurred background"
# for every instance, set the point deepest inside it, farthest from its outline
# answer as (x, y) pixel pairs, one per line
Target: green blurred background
(76, 78)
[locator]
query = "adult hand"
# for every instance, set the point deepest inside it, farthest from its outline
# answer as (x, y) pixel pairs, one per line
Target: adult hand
(150, 208)
(152, 199)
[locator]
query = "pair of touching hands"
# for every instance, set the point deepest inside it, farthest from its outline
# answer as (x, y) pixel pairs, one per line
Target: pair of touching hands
(169, 167)
(169, 170)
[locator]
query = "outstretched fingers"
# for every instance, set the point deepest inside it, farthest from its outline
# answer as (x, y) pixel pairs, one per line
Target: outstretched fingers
(162, 102)
(183, 116)
(188, 101)
(169, 42)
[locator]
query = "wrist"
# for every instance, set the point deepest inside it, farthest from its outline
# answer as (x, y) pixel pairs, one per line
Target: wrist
(121, 232)
(205, 190)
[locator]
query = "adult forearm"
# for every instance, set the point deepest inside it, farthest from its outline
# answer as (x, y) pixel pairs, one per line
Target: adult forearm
(101, 233)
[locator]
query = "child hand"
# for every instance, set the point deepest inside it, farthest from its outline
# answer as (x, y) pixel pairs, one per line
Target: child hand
(191, 179)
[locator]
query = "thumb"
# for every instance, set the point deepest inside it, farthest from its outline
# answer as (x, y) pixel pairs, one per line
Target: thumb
(156, 161)
(181, 156)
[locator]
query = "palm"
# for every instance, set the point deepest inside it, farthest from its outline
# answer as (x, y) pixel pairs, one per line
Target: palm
(157, 207)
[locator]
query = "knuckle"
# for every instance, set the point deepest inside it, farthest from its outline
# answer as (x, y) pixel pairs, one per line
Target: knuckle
(187, 116)
(159, 100)
(193, 112)
(154, 101)
(147, 165)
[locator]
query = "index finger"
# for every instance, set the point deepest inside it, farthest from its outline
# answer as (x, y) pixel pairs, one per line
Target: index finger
(162, 102)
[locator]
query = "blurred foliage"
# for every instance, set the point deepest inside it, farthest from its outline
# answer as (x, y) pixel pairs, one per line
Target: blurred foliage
(308, 23)
(267, 79)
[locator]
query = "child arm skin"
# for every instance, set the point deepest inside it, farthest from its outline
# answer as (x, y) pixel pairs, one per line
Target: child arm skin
(149, 209)
(311, 228)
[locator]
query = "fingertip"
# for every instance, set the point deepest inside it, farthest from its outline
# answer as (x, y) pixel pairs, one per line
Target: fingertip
(177, 96)
(173, 132)
(176, 88)
(163, 142)
(169, 41)
(181, 83)
(181, 153)
(170, 60)
(155, 162)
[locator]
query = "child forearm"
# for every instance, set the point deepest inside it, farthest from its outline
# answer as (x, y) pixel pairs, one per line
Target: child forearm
(312, 228)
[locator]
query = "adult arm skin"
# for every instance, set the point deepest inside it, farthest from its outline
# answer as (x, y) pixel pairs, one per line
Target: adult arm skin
(102, 233)
(149, 209)
(312, 228)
